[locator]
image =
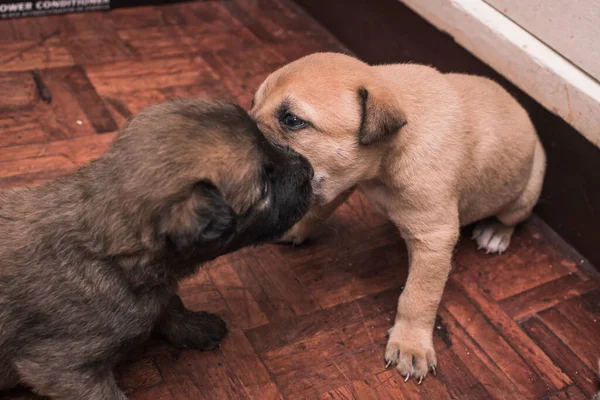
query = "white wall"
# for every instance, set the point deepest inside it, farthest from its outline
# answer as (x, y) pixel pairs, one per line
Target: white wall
(571, 27)
(540, 71)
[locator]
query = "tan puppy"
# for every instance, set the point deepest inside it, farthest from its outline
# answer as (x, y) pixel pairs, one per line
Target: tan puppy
(431, 151)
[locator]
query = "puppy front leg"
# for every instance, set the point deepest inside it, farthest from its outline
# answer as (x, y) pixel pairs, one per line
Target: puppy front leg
(314, 219)
(410, 343)
(190, 329)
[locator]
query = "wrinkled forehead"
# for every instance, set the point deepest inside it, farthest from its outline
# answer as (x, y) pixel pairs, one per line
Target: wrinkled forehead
(316, 71)
(319, 99)
(271, 91)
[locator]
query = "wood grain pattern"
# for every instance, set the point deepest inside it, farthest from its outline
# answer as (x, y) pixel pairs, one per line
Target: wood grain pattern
(582, 375)
(547, 295)
(495, 346)
(22, 55)
(476, 359)
(307, 322)
(570, 393)
(574, 336)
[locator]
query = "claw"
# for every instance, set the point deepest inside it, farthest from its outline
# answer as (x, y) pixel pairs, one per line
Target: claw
(407, 377)
(433, 370)
(388, 364)
(420, 380)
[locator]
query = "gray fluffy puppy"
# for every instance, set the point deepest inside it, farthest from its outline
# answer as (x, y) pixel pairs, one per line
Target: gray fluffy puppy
(90, 263)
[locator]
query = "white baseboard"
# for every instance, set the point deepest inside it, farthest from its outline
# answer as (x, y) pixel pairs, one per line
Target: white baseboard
(535, 68)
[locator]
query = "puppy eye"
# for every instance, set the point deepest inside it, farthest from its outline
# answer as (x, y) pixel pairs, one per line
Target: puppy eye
(292, 122)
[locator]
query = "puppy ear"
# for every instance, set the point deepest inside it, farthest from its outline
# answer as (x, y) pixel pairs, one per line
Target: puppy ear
(381, 117)
(198, 215)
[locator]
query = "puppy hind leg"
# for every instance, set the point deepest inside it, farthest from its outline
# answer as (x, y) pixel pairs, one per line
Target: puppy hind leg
(494, 236)
(56, 383)
(190, 329)
(521, 209)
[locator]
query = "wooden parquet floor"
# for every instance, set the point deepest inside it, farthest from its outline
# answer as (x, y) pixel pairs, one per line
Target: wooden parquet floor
(308, 322)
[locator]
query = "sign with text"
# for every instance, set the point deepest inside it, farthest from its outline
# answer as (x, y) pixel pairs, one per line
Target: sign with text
(17, 9)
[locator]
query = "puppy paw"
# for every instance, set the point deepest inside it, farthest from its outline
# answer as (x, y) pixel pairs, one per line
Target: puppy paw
(196, 330)
(492, 236)
(411, 351)
(296, 236)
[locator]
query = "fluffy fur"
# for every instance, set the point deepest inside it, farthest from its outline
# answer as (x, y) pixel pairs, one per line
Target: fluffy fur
(431, 151)
(89, 263)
